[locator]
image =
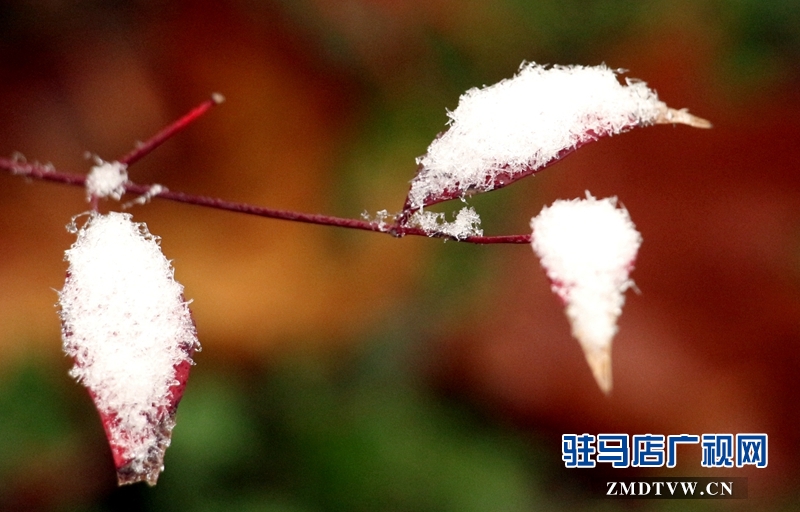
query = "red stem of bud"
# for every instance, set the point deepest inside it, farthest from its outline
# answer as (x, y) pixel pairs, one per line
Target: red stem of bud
(146, 147)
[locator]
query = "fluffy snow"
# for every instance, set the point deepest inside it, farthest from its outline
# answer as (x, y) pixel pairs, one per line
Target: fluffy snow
(126, 324)
(467, 223)
(107, 179)
(526, 121)
(588, 247)
(382, 220)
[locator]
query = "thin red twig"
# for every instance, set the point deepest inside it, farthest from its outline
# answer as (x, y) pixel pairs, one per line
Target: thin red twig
(41, 172)
(146, 147)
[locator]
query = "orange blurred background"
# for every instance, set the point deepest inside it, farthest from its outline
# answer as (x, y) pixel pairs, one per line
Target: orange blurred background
(328, 104)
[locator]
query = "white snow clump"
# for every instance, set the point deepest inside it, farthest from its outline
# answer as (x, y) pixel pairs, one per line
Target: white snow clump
(107, 179)
(467, 223)
(588, 247)
(127, 326)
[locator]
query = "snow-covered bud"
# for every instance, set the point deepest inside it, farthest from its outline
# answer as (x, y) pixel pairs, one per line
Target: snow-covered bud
(588, 248)
(130, 332)
(506, 131)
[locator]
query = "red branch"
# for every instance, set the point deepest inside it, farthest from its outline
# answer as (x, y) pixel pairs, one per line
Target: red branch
(41, 172)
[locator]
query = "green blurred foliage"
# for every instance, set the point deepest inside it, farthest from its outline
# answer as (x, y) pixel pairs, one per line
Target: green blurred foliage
(312, 433)
(36, 426)
(355, 431)
(764, 40)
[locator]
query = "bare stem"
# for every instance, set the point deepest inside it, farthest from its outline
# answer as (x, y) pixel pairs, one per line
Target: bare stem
(146, 147)
(41, 172)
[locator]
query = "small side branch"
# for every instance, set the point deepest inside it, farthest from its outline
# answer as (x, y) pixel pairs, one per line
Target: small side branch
(145, 148)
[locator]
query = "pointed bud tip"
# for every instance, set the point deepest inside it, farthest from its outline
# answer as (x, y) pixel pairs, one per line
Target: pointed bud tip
(599, 360)
(682, 116)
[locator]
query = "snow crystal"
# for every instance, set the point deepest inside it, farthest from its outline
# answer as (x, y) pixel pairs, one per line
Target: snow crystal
(107, 179)
(467, 223)
(127, 326)
(145, 198)
(587, 247)
(383, 220)
(526, 121)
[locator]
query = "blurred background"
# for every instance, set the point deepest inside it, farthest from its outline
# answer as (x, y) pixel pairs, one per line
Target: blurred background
(347, 371)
